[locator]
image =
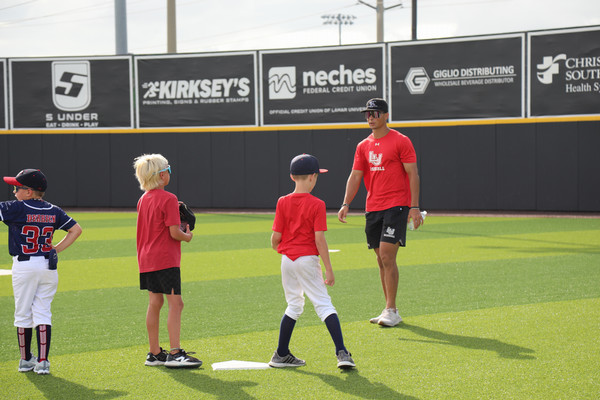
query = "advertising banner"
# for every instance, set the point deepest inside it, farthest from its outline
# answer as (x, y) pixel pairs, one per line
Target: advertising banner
(463, 78)
(564, 72)
(3, 96)
(326, 85)
(65, 93)
(197, 90)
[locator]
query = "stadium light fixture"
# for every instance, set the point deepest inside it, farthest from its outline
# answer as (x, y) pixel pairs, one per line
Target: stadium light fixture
(339, 20)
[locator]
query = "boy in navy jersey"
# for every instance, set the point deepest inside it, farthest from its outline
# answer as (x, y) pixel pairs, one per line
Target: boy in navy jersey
(31, 224)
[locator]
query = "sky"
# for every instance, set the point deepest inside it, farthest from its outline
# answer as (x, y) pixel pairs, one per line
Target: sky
(42, 28)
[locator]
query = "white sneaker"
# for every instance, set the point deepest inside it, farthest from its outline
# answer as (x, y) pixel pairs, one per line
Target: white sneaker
(27, 365)
(377, 318)
(42, 367)
(390, 318)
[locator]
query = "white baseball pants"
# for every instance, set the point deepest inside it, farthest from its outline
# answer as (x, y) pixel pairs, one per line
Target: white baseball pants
(304, 276)
(34, 287)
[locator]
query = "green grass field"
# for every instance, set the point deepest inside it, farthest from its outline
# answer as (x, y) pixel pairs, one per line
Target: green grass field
(493, 308)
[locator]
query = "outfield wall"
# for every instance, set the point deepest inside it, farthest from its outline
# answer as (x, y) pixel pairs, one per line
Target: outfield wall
(547, 165)
(500, 122)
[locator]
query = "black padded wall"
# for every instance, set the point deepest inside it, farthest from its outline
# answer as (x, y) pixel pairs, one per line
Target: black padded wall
(545, 166)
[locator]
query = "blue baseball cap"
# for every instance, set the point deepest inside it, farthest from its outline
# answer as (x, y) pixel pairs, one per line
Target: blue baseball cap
(305, 164)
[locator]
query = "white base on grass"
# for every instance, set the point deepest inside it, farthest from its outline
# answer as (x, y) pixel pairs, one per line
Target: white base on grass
(235, 364)
(5, 271)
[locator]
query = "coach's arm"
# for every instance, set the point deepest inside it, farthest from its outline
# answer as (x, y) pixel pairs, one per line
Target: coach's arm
(352, 186)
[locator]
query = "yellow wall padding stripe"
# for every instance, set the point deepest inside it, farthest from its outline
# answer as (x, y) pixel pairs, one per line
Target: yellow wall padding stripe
(416, 124)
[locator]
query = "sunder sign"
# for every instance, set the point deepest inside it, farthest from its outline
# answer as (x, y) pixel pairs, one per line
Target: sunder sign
(564, 72)
(463, 78)
(3, 93)
(326, 85)
(71, 93)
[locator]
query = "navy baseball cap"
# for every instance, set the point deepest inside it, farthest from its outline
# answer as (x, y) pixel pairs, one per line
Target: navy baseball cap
(32, 178)
(305, 164)
(376, 104)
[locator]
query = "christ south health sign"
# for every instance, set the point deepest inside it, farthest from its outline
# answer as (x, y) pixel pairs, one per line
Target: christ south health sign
(69, 93)
(328, 85)
(458, 79)
(564, 73)
(196, 90)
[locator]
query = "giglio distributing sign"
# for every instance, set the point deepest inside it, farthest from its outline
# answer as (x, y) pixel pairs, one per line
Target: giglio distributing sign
(457, 79)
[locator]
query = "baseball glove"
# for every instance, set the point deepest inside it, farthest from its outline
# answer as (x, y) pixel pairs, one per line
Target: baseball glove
(187, 216)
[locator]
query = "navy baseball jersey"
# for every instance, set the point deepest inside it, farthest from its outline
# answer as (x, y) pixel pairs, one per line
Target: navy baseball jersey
(31, 225)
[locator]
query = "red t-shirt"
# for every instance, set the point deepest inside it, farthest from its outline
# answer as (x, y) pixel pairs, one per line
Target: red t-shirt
(382, 163)
(297, 217)
(156, 249)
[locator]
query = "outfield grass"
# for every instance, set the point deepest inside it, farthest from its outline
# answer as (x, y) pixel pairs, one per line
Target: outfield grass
(494, 308)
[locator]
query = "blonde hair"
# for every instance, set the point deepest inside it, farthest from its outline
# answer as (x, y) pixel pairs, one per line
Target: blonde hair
(146, 170)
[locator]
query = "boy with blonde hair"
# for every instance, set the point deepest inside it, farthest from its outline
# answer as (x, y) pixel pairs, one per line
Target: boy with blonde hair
(159, 238)
(299, 236)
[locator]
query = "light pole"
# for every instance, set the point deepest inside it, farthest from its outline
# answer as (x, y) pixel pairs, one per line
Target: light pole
(339, 20)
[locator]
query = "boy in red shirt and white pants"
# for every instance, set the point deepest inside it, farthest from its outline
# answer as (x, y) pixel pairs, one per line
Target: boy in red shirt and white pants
(299, 236)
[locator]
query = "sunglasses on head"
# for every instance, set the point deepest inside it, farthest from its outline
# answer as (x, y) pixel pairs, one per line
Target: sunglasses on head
(374, 114)
(20, 187)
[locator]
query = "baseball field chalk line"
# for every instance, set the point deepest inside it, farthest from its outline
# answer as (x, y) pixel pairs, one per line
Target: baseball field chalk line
(333, 251)
(235, 364)
(5, 272)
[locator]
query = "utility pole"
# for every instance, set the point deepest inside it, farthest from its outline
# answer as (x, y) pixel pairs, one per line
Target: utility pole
(414, 19)
(120, 27)
(379, 8)
(171, 27)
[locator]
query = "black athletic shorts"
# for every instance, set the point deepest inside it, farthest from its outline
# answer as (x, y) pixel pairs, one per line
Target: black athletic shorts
(386, 226)
(167, 281)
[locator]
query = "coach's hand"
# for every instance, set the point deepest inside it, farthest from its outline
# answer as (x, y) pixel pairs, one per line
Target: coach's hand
(343, 213)
(416, 216)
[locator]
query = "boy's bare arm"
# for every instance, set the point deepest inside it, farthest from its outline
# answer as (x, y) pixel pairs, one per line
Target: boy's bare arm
(275, 240)
(323, 249)
(72, 235)
(177, 234)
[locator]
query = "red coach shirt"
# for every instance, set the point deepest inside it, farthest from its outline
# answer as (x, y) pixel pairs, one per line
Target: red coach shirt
(381, 161)
(297, 217)
(156, 249)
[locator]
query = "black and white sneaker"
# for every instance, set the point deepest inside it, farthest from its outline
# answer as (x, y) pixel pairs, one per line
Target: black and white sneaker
(289, 360)
(182, 360)
(153, 360)
(345, 360)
